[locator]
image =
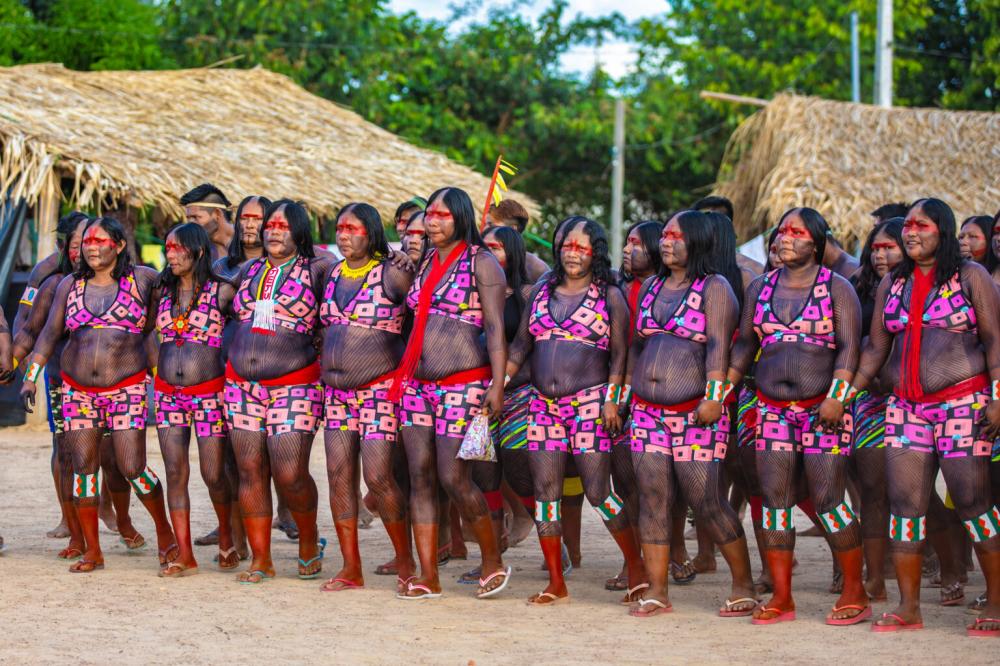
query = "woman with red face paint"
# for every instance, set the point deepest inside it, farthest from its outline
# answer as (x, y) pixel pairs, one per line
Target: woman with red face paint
(936, 332)
(451, 371)
(575, 329)
(188, 390)
(806, 323)
(108, 307)
(362, 315)
(975, 241)
(414, 241)
(273, 394)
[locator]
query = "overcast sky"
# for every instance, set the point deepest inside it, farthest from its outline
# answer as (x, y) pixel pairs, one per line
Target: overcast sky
(615, 57)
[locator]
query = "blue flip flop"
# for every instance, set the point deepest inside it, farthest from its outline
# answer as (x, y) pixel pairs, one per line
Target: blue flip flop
(304, 564)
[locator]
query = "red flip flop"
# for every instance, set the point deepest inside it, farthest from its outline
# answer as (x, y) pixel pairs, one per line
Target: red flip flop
(984, 633)
(782, 616)
(902, 626)
(866, 612)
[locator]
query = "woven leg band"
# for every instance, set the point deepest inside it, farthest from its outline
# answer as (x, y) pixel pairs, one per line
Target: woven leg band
(86, 485)
(779, 520)
(907, 530)
(548, 512)
(145, 483)
(610, 507)
(985, 526)
(840, 518)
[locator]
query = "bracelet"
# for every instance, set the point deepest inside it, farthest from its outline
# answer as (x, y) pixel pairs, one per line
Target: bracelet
(614, 392)
(31, 374)
(626, 395)
(715, 390)
(994, 391)
(727, 388)
(841, 391)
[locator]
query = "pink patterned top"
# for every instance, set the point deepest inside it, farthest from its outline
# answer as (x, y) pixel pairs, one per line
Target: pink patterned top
(949, 309)
(127, 312)
(813, 325)
(205, 323)
(369, 308)
(456, 296)
(688, 320)
(589, 324)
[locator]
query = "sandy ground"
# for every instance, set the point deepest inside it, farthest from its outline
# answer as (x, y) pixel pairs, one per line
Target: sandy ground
(126, 613)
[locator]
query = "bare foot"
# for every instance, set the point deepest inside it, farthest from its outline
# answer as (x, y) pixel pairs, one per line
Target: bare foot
(876, 589)
(705, 563)
(60, 531)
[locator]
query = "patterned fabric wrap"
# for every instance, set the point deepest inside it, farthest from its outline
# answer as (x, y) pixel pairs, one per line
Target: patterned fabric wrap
(146, 482)
(366, 411)
(448, 408)
(840, 518)
(949, 309)
(369, 308)
(119, 409)
(589, 324)
(206, 412)
(610, 507)
(779, 520)
(949, 428)
(548, 512)
(571, 423)
(456, 296)
(275, 410)
(205, 323)
(796, 429)
(53, 388)
(687, 322)
(985, 526)
(659, 430)
(746, 418)
(813, 326)
(907, 530)
(127, 312)
(295, 306)
(86, 485)
(869, 420)
(511, 431)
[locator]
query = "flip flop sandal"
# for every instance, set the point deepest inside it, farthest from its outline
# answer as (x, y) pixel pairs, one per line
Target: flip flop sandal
(247, 577)
(977, 606)
(728, 611)
(553, 599)
(181, 571)
(864, 613)
(950, 589)
(138, 542)
(470, 577)
(676, 568)
(401, 584)
(210, 539)
(782, 616)
(78, 567)
(901, 625)
(628, 599)
(347, 585)
(319, 558)
(164, 555)
(660, 608)
(419, 587)
(616, 584)
(974, 630)
(68, 554)
(483, 582)
(223, 558)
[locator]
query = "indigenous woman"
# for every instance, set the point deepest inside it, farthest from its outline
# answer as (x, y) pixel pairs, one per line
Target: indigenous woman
(362, 315)
(882, 253)
(680, 354)
(975, 241)
(806, 322)
(108, 307)
(188, 390)
(451, 371)
(405, 211)
(576, 330)
(273, 396)
(246, 244)
(414, 241)
(939, 413)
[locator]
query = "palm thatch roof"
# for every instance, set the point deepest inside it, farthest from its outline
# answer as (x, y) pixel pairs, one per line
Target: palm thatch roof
(847, 159)
(145, 138)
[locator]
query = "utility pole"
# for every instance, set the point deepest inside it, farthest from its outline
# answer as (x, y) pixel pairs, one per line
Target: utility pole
(617, 182)
(855, 60)
(883, 55)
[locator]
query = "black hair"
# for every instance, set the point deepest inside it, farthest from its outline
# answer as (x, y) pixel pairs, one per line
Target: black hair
(771, 237)
(698, 231)
(196, 241)
(649, 236)
(235, 254)
(723, 254)
(948, 258)
(378, 246)
(423, 241)
(459, 204)
(600, 260)
(210, 193)
(515, 270)
(817, 227)
(572, 219)
(866, 280)
(985, 224)
(889, 211)
(415, 202)
(116, 231)
(298, 225)
(67, 225)
(714, 202)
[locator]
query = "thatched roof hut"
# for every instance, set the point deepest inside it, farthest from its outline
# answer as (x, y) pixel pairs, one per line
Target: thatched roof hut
(847, 159)
(144, 138)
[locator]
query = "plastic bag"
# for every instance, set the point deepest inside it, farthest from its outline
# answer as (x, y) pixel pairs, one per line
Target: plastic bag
(478, 441)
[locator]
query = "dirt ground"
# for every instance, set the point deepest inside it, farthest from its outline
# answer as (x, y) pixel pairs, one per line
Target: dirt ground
(126, 613)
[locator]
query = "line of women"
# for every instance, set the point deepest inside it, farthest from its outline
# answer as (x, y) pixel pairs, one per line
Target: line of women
(885, 378)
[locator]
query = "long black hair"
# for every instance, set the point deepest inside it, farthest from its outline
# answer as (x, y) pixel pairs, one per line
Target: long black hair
(462, 212)
(235, 254)
(195, 240)
(649, 236)
(298, 225)
(866, 280)
(698, 233)
(378, 246)
(67, 226)
(515, 269)
(723, 254)
(771, 237)
(985, 224)
(560, 228)
(116, 231)
(817, 227)
(948, 258)
(600, 261)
